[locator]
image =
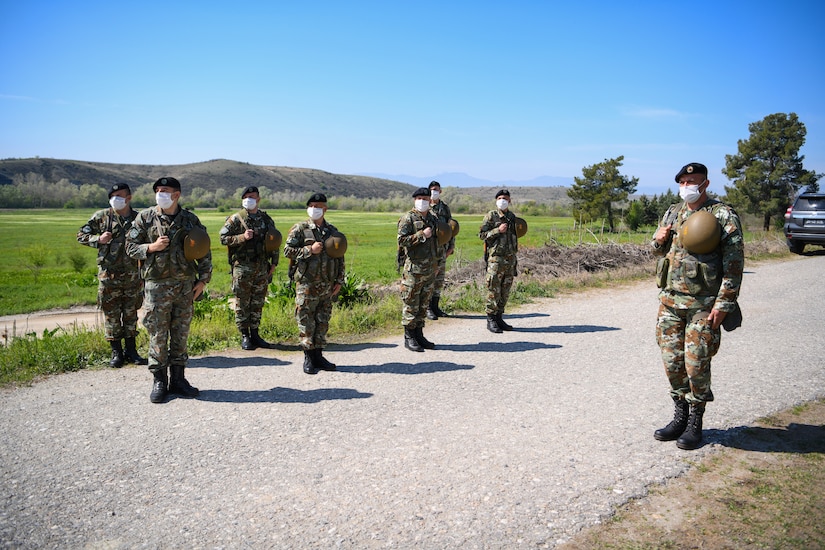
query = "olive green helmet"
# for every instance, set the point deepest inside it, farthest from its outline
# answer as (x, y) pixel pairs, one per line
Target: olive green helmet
(521, 227)
(336, 245)
(701, 233)
(454, 226)
(273, 240)
(443, 232)
(196, 244)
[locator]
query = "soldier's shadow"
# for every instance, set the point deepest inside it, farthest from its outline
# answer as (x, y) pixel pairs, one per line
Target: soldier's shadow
(429, 367)
(497, 347)
(281, 395)
(565, 329)
(223, 362)
(797, 438)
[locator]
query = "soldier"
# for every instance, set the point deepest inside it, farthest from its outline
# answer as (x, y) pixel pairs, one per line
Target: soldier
(699, 282)
(442, 212)
(120, 288)
(161, 237)
(498, 231)
(244, 233)
(419, 246)
(318, 278)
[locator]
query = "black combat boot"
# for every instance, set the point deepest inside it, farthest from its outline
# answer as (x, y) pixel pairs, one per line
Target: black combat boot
(159, 385)
(309, 364)
(436, 308)
(246, 340)
(117, 354)
(322, 362)
(423, 342)
(691, 438)
(257, 340)
(677, 425)
(432, 314)
(179, 385)
(492, 324)
(410, 342)
(501, 324)
(131, 352)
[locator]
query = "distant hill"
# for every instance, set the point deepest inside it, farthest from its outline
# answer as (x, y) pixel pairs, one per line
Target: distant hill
(460, 179)
(210, 175)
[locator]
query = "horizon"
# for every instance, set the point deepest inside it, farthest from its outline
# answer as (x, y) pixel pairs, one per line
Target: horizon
(520, 92)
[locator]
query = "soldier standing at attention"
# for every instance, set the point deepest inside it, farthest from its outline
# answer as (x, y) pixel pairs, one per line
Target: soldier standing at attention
(120, 288)
(160, 238)
(318, 278)
(244, 233)
(441, 211)
(417, 239)
(498, 231)
(699, 281)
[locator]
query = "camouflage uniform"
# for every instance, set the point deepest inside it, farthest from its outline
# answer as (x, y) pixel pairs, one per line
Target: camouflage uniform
(120, 288)
(500, 254)
(420, 264)
(691, 286)
(170, 280)
(442, 212)
(315, 277)
(250, 264)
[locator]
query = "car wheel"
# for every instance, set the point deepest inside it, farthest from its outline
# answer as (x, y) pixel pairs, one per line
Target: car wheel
(796, 246)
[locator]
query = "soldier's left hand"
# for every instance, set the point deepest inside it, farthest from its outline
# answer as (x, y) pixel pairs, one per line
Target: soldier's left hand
(198, 289)
(716, 317)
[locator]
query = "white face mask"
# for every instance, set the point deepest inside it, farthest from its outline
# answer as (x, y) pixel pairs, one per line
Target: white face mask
(422, 205)
(164, 200)
(502, 204)
(117, 202)
(249, 203)
(690, 193)
(315, 213)
(435, 194)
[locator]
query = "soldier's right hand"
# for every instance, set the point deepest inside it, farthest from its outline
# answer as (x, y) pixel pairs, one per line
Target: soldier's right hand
(160, 244)
(662, 233)
(316, 247)
(249, 234)
(502, 228)
(428, 232)
(105, 237)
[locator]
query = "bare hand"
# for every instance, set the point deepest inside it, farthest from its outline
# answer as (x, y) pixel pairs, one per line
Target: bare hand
(198, 289)
(160, 244)
(450, 251)
(428, 232)
(662, 233)
(716, 317)
(105, 237)
(336, 289)
(316, 247)
(502, 228)
(248, 235)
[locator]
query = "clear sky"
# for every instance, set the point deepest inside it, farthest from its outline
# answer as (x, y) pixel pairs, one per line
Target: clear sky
(508, 90)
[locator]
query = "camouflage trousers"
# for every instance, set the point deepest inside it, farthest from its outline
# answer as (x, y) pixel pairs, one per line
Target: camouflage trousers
(313, 310)
(250, 284)
(417, 283)
(168, 315)
(687, 343)
(119, 297)
(440, 274)
(501, 271)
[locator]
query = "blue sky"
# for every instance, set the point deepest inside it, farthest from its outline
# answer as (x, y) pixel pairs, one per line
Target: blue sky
(498, 90)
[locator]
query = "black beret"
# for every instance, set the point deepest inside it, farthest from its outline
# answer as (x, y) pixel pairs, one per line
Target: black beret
(421, 192)
(692, 168)
(250, 189)
(503, 193)
(119, 187)
(317, 197)
(166, 182)
(433, 184)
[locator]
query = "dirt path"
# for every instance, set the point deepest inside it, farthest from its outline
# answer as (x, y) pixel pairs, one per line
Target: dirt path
(37, 322)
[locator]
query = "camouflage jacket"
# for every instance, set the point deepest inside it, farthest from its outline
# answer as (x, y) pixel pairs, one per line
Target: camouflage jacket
(112, 259)
(169, 263)
(252, 251)
(416, 247)
(311, 268)
(499, 244)
(442, 212)
(690, 280)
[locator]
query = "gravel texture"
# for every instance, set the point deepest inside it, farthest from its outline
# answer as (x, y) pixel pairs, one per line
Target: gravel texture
(490, 441)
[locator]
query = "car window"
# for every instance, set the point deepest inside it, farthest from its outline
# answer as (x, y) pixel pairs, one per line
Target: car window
(805, 203)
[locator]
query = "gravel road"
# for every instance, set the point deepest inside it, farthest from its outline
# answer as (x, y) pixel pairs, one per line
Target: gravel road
(490, 441)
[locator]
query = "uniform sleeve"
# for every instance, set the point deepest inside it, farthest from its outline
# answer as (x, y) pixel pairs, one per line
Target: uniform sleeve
(294, 248)
(733, 260)
(408, 236)
(90, 233)
(230, 233)
(204, 265)
(137, 240)
(489, 227)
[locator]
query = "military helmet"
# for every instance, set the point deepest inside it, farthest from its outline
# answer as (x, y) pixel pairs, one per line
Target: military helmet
(443, 232)
(336, 245)
(701, 233)
(521, 227)
(454, 226)
(273, 239)
(196, 244)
